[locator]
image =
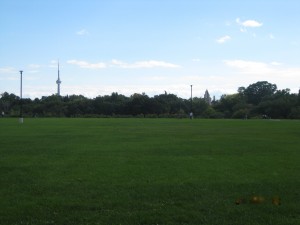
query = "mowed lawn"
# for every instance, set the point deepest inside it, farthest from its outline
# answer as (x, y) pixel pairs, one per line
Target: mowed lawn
(149, 171)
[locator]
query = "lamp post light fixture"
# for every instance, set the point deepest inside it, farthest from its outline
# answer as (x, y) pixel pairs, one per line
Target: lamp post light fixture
(21, 102)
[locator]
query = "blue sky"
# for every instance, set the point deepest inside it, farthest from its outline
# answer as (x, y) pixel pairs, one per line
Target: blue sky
(151, 46)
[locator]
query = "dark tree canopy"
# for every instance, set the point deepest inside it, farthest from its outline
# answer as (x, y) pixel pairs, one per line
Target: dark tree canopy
(255, 93)
(261, 99)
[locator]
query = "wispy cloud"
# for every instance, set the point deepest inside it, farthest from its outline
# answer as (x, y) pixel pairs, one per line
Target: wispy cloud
(228, 23)
(245, 72)
(124, 65)
(251, 67)
(82, 32)
(9, 74)
(34, 66)
(7, 70)
(196, 60)
(249, 23)
(92, 91)
(143, 64)
(10, 78)
(53, 63)
(271, 36)
(276, 63)
(87, 65)
(223, 39)
(262, 69)
(243, 30)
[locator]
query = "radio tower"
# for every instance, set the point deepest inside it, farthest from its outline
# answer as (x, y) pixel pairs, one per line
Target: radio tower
(58, 82)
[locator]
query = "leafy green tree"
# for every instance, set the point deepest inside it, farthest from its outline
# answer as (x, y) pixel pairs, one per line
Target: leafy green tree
(211, 113)
(53, 106)
(279, 105)
(295, 113)
(228, 104)
(255, 100)
(9, 103)
(138, 104)
(167, 104)
(199, 107)
(256, 92)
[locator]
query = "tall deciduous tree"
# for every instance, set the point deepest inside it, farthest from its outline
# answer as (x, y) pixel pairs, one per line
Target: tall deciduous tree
(254, 93)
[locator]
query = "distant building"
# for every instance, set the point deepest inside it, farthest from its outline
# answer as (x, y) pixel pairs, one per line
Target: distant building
(58, 82)
(207, 97)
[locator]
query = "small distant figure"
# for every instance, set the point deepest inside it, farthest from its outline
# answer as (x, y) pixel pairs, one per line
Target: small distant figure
(191, 115)
(2, 114)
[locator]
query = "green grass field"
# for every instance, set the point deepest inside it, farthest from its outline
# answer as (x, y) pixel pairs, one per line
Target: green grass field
(149, 171)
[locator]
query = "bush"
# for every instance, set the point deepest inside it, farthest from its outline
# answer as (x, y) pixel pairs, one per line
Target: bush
(240, 114)
(295, 113)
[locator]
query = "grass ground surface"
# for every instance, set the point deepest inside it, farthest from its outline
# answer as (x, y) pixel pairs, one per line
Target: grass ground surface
(149, 171)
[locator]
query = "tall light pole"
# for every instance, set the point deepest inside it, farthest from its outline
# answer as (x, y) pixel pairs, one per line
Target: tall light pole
(191, 113)
(191, 98)
(21, 103)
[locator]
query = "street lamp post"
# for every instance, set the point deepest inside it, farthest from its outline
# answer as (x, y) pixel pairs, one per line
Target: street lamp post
(21, 102)
(191, 113)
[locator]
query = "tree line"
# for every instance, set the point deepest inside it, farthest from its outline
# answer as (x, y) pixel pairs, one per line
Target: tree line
(258, 100)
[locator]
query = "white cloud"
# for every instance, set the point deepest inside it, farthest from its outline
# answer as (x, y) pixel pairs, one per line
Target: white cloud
(249, 67)
(237, 73)
(243, 30)
(249, 23)
(8, 70)
(10, 78)
(82, 32)
(228, 23)
(180, 89)
(276, 63)
(157, 78)
(87, 65)
(92, 91)
(223, 39)
(154, 63)
(143, 64)
(196, 60)
(120, 64)
(53, 64)
(9, 74)
(34, 66)
(271, 36)
(273, 72)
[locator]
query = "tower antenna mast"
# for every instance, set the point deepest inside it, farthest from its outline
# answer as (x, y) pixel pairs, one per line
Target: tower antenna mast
(58, 82)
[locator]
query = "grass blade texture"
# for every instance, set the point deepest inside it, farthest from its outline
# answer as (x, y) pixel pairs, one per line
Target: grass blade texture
(149, 171)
